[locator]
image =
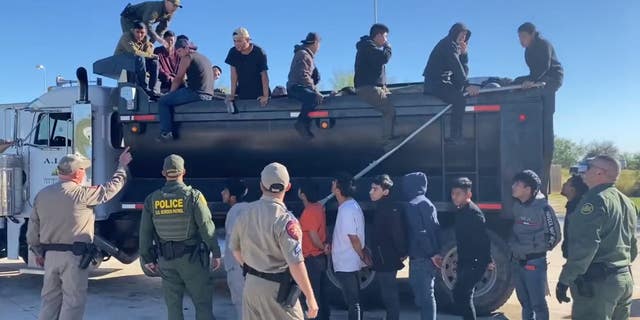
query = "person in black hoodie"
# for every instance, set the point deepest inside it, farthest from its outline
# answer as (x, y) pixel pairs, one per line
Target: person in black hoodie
(544, 66)
(445, 75)
(473, 246)
(373, 53)
(389, 245)
(573, 189)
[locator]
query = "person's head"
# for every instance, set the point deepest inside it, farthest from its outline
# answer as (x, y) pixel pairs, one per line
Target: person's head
(600, 170)
(139, 31)
(461, 191)
(459, 33)
(170, 38)
(312, 41)
(527, 33)
(183, 47)
(173, 168)
(170, 6)
(380, 187)
(217, 71)
(379, 33)
(234, 191)
(343, 186)
(574, 188)
(274, 180)
(241, 39)
(309, 191)
(526, 185)
(72, 167)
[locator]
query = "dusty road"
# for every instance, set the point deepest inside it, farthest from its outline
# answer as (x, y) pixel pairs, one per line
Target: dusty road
(118, 291)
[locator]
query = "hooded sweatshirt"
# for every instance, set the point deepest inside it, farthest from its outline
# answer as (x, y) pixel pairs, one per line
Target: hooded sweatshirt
(542, 61)
(447, 65)
(370, 63)
(302, 68)
(536, 229)
(422, 217)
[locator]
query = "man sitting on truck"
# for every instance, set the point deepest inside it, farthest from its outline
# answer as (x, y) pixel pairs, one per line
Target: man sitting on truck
(302, 84)
(249, 77)
(544, 66)
(197, 68)
(150, 13)
(135, 43)
(445, 75)
(168, 60)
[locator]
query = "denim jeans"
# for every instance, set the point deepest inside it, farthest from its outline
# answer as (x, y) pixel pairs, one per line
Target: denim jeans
(351, 292)
(422, 274)
(531, 288)
(463, 290)
(389, 293)
(144, 65)
(169, 101)
(316, 268)
(308, 98)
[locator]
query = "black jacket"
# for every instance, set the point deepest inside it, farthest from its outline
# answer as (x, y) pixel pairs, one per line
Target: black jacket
(472, 238)
(571, 206)
(543, 62)
(370, 63)
(389, 243)
(446, 64)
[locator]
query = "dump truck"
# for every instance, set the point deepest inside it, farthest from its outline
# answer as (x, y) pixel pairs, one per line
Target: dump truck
(502, 136)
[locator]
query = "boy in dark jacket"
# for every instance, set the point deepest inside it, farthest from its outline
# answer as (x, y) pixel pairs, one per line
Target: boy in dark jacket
(544, 66)
(424, 242)
(303, 78)
(373, 53)
(445, 75)
(389, 245)
(473, 246)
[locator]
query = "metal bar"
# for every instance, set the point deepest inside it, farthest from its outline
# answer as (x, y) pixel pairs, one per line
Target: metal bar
(512, 87)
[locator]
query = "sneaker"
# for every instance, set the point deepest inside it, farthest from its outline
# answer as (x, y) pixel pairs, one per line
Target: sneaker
(303, 130)
(164, 137)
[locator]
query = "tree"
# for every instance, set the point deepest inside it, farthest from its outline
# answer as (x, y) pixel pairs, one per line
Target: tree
(342, 79)
(633, 160)
(566, 153)
(596, 148)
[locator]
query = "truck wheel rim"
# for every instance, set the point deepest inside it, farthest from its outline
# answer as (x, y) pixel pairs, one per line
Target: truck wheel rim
(449, 274)
(365, 276)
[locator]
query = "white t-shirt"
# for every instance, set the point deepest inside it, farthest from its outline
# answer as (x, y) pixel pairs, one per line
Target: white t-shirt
(350, 220)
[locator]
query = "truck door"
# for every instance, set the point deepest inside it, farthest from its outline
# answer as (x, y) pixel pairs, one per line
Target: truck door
(52, 140)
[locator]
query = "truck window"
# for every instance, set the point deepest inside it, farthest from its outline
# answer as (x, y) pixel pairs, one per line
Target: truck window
(54, 130)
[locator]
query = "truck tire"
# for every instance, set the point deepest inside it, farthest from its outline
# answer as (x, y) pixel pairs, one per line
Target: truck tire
(492, 291)
(369, 293)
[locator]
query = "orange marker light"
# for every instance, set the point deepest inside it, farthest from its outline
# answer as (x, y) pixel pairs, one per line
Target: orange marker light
(324, 125)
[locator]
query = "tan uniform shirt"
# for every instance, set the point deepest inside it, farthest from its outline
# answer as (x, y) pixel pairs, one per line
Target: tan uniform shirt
(267, 236)
(63, 212)
(128, 44)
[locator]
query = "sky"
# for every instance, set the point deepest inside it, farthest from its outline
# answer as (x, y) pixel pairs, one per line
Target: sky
(597, 42)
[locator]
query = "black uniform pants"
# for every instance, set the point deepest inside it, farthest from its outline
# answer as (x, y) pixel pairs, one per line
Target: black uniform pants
(463, 290)
(351, 292)
(455, 97)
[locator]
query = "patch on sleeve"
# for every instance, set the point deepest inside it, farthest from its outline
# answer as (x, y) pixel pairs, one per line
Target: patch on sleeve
(293, 230)
(202, 200)
(297, 250)
(587, 208)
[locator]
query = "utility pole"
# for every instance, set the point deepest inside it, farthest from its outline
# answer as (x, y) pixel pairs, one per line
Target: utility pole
(44, 76)
(375, 11)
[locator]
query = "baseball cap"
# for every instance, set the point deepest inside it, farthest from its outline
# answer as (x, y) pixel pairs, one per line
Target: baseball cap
(274, 177)
(241, 33)
(311, 38)
(72, 162)
(173, 166)
(176, 3)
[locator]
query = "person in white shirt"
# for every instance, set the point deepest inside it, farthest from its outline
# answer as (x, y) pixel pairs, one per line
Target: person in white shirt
(347, 250)
(232, 195)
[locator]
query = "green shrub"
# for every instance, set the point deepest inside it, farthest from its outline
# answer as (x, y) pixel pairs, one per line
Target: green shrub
(629, 183)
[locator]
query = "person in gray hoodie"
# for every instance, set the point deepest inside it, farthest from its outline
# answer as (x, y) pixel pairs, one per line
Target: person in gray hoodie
(424, 242)
(303, 78)
(535, 231)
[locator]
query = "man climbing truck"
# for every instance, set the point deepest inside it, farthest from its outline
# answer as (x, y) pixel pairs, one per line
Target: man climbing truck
(502, 131)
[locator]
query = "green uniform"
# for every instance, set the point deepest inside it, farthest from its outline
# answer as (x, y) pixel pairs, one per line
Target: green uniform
(178, 213)
(602, 232)
(149, 13)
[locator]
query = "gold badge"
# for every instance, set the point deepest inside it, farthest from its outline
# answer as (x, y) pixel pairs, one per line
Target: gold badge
(587, 208)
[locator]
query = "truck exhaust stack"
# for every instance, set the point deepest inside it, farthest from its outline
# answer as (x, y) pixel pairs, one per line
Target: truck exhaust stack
(83, 82)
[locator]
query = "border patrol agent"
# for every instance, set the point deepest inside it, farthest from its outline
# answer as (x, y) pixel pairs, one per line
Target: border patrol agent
(602, 245)
(266, 240)
(149, 13)
(176, 238)
(61, 229)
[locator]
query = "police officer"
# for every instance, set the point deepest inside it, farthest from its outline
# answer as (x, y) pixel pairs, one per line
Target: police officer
(267, 241)
(177, 219)
(602, 245)
(60, 227)
(149, 13)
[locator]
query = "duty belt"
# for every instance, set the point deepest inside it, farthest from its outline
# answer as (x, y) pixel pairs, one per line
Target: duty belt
(171, 250)
(274, 277)
(77, 248)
